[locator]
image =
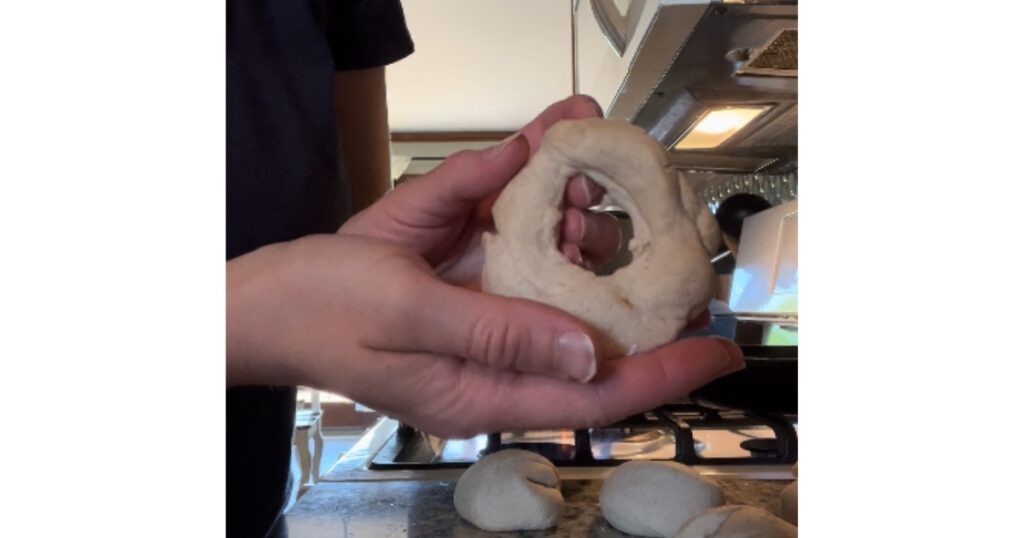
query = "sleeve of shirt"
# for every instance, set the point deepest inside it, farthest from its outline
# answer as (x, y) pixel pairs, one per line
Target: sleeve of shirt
(368, 33)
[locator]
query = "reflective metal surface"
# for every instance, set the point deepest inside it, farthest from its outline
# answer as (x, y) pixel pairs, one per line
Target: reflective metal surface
(450, 457)
(714, 68)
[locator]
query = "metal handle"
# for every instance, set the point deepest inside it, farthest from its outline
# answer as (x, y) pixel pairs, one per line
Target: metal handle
(611, 23)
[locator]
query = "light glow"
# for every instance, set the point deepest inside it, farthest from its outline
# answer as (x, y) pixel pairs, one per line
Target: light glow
(718, 125)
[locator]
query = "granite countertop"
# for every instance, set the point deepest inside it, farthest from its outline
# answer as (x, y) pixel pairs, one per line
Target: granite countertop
(408, 508)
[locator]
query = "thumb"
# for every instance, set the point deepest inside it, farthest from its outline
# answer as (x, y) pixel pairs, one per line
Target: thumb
(462, 181)
(505, 333)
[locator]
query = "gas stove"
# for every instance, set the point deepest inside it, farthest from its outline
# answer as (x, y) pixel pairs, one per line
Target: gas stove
(715, 442)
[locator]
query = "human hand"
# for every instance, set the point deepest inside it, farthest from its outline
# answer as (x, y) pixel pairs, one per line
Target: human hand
(371, 320)
(443, 214)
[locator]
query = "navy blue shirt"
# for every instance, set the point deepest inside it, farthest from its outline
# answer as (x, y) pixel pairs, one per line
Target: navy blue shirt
(284, 181)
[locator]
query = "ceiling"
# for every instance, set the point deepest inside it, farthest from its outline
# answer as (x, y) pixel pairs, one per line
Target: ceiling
(480, 65)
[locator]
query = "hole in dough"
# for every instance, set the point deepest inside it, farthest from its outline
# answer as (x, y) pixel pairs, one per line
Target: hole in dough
(623, 257)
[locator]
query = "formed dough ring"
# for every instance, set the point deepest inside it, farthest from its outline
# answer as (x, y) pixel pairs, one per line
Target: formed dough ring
(670, 280)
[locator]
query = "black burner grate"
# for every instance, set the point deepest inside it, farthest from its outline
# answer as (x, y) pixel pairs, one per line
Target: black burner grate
(681, 419)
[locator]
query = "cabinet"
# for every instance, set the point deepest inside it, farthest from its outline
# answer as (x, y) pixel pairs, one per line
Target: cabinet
(623, 47)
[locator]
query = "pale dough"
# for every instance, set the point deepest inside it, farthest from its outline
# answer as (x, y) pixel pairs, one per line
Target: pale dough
(789, 498)
(736, 522)
(655, 498)
(510, 490)
(670, 280)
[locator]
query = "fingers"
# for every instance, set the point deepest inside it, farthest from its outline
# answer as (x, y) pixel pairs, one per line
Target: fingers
(587, 239)
(469, 181)
(460, 183)
(571, 252)
(420, 214)
(501, 333)
(624, 387)
(595, 237)
(575, 107)
(582, 192)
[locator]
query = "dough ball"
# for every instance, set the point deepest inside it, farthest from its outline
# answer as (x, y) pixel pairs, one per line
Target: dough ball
(510, 490)
(789, 503)
(655, 498)
(736, 522)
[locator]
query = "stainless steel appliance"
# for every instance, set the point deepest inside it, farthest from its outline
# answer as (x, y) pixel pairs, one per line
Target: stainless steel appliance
(667, 64)
(729, 443)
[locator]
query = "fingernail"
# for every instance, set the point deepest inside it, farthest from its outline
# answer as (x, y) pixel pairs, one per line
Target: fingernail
(734, 353)
(576, 357)
(494, 151)
(583, 226)
(586, 189)
(575, 256)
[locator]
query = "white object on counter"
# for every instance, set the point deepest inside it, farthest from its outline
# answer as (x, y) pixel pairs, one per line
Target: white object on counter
(510, 490)
(655, 498)
(766, 275)
(736, 522)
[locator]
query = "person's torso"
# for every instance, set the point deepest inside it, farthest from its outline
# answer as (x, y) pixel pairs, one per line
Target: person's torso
(283, 182)
(283, 177)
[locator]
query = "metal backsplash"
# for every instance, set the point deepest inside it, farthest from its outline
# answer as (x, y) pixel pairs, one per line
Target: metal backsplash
(777, 189)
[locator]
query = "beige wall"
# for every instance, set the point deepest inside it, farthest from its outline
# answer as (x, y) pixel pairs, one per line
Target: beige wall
(480, 64)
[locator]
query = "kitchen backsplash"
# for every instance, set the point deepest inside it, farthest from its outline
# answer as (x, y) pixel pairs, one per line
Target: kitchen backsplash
(777, 189)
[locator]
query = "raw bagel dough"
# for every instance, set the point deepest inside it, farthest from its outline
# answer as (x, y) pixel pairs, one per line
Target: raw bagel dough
(655, 498)
(670, 280)
(510, 490)
(789, 503)
(736, 522)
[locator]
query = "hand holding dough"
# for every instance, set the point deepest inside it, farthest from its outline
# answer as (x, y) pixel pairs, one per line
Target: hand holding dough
(655, 498)
(510, 490)
(670, 280)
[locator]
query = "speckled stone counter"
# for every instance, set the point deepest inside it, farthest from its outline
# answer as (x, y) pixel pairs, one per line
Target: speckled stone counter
(425, 508)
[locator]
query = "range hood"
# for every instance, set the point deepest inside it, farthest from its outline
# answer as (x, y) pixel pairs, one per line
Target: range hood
(698, 63)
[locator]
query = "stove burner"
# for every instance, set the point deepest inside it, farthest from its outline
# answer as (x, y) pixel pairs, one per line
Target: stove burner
(669, 425)
(642, 436)
(761, 447)
(551, 451)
